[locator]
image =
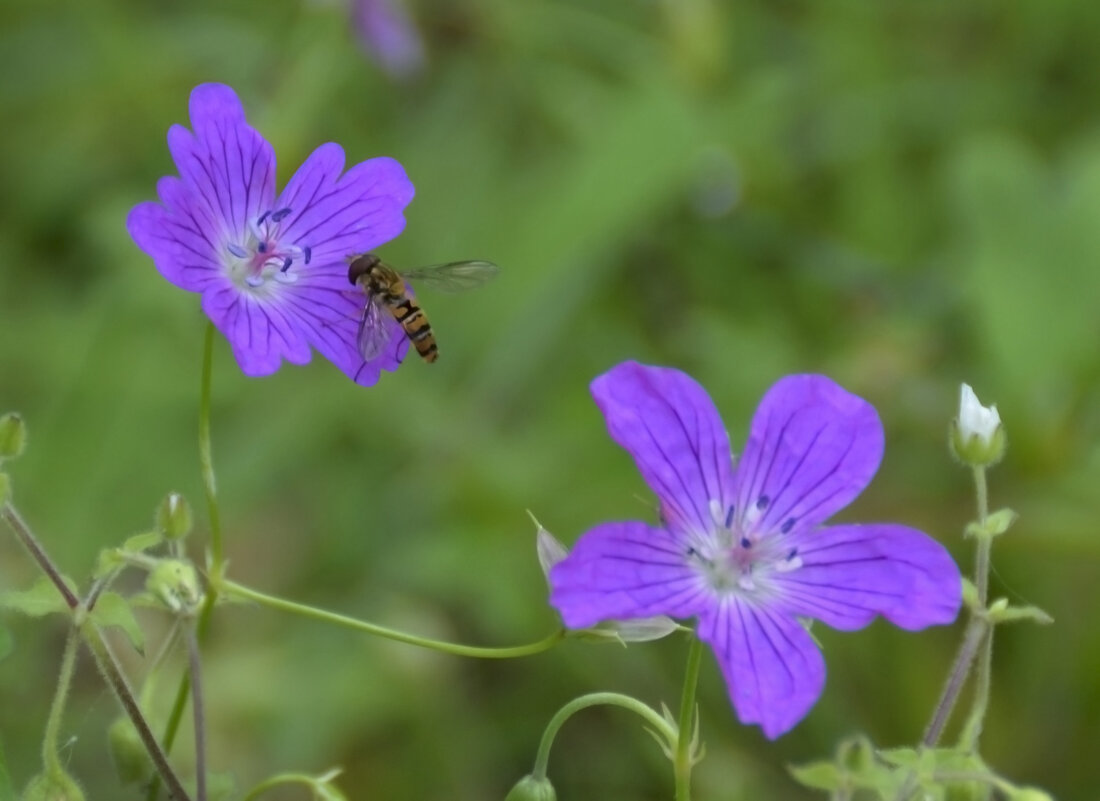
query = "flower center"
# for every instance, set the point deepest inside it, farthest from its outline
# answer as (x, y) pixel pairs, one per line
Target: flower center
(262, 257)
(738, 556)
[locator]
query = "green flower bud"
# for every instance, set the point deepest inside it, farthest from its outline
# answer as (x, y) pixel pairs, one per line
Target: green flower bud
(176, 583)
(132, 762)
(13, 436)
(174, 517)
(531, 789)
(977, 436)
(54, 785)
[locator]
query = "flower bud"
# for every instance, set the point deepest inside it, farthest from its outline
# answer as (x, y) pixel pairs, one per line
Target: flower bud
(977, 436)
(132, 762)
(174, 517)
(13, 436)
(54, 785)
(531, 789)
(176, 583)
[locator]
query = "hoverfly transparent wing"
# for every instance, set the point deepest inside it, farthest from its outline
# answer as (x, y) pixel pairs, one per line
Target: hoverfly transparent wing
(374, 330)
(454, 276)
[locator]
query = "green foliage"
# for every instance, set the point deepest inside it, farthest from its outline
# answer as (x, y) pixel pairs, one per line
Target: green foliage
(902, 195)
(42, 598)
(7, 643)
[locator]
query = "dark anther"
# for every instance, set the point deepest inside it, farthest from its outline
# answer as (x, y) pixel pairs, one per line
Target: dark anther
(286, 264)
(788, 524)
(762, 502)
(746, 543)
(729, 517)
(792, 554)
(263, 217)
(237, 251)
(308, 252)
(280, 215)
(262, 247)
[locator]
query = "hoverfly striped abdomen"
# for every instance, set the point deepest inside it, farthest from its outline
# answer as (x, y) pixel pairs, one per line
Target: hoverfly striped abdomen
(385, 289)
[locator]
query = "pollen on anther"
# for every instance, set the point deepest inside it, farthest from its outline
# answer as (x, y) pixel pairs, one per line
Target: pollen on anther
(729, 516)
(307, 251)
(746, 543)
(262, 247)
(762, 502)
(788, 524)
(237, 251)
(286, 264)
(280, 215)
(263, 217)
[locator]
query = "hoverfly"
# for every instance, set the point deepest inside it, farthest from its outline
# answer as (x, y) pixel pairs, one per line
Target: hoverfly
(387, 294)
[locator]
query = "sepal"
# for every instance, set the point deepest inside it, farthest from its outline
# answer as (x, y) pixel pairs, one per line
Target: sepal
(530, 788)
(174, 518)
(13, 436)
(176, 584)
(994, 525)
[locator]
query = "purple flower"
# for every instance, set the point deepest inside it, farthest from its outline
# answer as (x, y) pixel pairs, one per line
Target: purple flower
(272, 270)
(389, 36)
(742, 548)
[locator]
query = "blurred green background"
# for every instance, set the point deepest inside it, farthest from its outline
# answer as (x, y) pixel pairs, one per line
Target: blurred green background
(904, 195)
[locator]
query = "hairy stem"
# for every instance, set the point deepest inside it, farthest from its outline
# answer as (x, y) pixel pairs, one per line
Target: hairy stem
(38, 553)
(233, 589)
(195, 670)
(50, 758)
(659, 724)
(682, 764)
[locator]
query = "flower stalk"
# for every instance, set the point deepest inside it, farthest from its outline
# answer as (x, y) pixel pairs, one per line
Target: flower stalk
(683, 761)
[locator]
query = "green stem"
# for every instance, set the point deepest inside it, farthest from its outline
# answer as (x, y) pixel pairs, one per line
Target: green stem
(972, 729)
(231, 588)
(206, 459)
(217, 553)
(50, 758)
(594, 699)
(275, 781)
(683, 763)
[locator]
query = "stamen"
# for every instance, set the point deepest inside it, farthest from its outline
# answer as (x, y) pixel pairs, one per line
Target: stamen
(280, 215)
(262, 217)
(286, 264)
(729, 516)
(788, 524)
(262, 247)
(762, 502)
(237, 251)
(746, 543)
(308, 251)
(792, 562)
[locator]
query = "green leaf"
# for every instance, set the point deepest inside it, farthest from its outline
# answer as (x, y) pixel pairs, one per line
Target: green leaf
(41, 599)
(1010, 614)
(818, 775)
(113, 610)
(143, 542)
(6, 791)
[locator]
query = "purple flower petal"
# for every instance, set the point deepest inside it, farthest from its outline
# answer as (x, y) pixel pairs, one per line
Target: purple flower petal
(389, 35)
(669, 424)
(260, 334)
(340, 216)
(228, 167)
(812, 448)
(772, 667)
(850, 573)
(621, 571)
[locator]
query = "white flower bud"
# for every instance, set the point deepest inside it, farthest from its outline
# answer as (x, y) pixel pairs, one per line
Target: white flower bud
(977, 437)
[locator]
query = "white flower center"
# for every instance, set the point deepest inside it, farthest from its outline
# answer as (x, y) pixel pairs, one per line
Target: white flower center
(737, 557)
(261, 257)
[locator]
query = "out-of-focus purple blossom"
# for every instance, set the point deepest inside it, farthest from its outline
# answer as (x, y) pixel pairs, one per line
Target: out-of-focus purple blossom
(743, 549)
(272, 270)
(389, 36)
